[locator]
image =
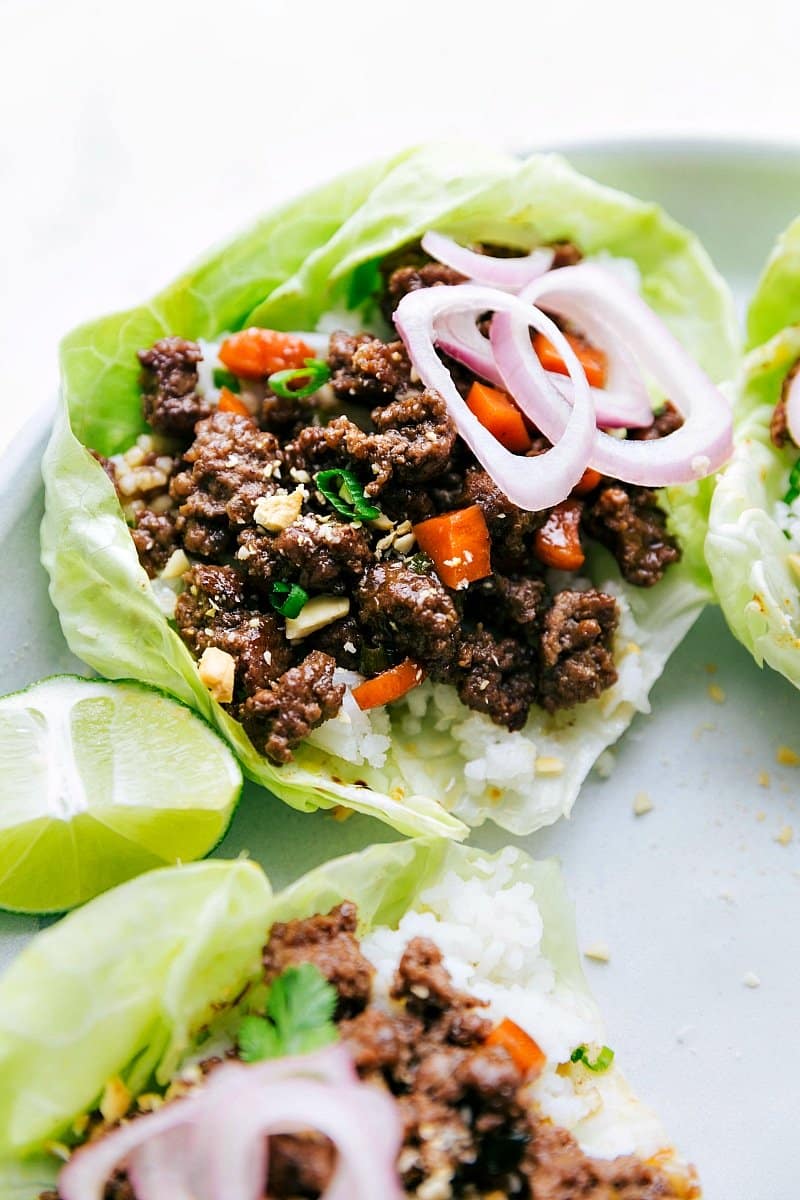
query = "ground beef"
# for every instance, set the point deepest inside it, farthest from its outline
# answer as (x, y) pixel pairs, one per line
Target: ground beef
(278, 717)
(512, 529)
(567, 254)
(423, 981)
(629, 522)
(516, 606)
(322, 555)
(169, 400)
(213, 611)
(379, 1041)
(329, 942)
(497, 676)
(155, 538)
(410, 611)
(366, 370)
(411, 278)
(231, 465)
(577, 662)
(342, 640)
(666, 421)
(300, 1166)
(411, 442)
(325, 555)
(557, 1169)
(779, 426)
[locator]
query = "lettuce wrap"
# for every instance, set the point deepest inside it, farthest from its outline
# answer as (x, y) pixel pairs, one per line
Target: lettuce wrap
(753, 547)
(444, 767)
(121, 993)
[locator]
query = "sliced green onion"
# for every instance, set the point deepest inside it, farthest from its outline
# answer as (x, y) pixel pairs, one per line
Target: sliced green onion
(223, 378)
(288, 598)
(373, 660)
(315, 372)
(600, 1064)
(794, 484)
(344, 493)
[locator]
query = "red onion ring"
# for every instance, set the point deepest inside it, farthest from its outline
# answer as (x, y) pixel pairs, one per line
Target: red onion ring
(213, 1145)
(793, 408)
(530, 483)
(459, 336)
(509, 274)
(704, 441)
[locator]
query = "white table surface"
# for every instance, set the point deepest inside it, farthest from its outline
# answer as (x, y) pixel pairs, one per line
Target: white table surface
(133, 135)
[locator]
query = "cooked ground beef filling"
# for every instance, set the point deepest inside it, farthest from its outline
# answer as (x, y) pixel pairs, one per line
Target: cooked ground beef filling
(471, 1130)
(505, 643)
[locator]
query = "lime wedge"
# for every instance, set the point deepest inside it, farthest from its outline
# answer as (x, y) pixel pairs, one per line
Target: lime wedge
(99, 782)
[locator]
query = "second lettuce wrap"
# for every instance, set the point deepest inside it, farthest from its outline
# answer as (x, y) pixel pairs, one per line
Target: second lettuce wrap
(753, 547)
(317, 256)
(79, 1015)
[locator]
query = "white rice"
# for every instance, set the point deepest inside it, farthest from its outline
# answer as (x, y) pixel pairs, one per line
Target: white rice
(490, 931)
(439, 747)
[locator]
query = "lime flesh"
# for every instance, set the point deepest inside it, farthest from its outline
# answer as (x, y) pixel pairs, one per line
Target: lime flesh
(99, 782)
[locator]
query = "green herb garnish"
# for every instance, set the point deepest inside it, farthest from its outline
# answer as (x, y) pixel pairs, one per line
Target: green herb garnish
(600, 1064)
(288, 598)
(223, 378)
(794, 484)
(344, 493)
(298, 1020)
(315, 373)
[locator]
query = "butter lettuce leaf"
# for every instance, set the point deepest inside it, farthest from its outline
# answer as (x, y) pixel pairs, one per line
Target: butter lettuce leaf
(317, 255)
(750, 558)
(121, 987)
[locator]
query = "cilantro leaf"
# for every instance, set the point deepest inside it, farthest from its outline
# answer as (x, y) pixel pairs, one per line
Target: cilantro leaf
(299, 1017)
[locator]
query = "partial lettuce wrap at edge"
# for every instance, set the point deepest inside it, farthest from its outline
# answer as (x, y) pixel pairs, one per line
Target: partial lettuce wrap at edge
(320, 255)
(756, 574)
(73, 1014)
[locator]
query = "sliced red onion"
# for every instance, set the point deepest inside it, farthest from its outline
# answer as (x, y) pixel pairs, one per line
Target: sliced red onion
(510, 274)
(213, 1145)
(531, 483)
(704, 441)
(793, 408)
(84, 1177)
(459, 336)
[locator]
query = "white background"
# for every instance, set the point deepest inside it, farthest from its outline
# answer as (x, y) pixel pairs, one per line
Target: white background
(133, 135)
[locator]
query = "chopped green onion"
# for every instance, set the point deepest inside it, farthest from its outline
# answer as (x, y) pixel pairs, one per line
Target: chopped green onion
(373, 660)
(794, 484)
(315, 372)
(420, 564)
(344, 493)
(223, 378)
(600, 1064)
(288, 598)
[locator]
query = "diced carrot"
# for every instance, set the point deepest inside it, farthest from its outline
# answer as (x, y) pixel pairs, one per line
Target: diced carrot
(255, 353)
(593, 360)
(458, 545)
(587, 482)
(389, 685)
(526, 1053)
(230, 402)
(558, 542)
(500, 415)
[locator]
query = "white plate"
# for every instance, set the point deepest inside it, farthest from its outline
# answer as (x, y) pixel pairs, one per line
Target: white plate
(691, 897)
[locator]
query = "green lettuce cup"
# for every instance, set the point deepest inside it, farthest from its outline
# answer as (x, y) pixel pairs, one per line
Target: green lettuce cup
(443, 768)
(123, 994)
(753, 542)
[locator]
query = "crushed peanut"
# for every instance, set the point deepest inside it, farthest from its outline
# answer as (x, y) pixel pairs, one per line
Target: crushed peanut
(115, 1101)
(278, 512)
(217, 671)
